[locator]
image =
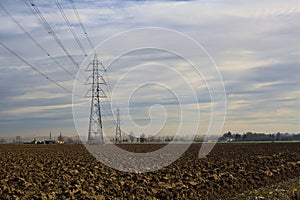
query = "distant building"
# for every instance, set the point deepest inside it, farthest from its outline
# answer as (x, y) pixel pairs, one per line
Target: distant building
(50, 141)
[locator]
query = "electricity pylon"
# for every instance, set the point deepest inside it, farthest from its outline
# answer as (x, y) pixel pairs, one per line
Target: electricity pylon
(118, 128)
(96, 93)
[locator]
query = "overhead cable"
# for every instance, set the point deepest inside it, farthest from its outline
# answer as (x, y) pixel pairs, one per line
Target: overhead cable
(36, 70)
(35, 41)
(61, 10)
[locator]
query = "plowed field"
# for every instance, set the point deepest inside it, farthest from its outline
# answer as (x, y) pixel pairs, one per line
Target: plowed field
(70, 172)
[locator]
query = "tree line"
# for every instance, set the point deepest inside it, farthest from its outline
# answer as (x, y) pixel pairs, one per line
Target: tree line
(249, 136)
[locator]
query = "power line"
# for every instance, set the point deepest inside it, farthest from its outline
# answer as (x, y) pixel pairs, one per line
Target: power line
(69, 26)
(35, 69)
(34, 40)
(81, 24)
(35, 10)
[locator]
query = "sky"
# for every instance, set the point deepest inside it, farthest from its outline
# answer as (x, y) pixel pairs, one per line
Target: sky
(253, 45)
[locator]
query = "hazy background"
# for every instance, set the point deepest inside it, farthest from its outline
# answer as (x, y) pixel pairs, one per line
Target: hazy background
(255, 45)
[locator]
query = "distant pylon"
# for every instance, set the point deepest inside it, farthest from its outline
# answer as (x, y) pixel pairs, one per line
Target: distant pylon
(118, 128)
(95, 131)
(60, 139)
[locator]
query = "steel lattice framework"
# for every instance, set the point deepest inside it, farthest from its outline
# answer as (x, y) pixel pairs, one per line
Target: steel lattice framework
(118, 128)
(96, 93)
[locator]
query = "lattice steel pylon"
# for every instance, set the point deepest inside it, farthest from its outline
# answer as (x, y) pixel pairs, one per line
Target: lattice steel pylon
(96, 93)
(118, 128)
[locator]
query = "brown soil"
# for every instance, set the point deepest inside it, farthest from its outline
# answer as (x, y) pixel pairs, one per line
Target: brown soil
(70, 172)
(281, 191)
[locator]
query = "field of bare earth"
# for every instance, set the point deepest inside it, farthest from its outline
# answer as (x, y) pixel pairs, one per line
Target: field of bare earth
(230, 171)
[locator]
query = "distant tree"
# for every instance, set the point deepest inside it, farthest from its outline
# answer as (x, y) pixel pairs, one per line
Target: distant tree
(142, 138)
(278, 136)
(244, 137)
(249, 136)
(131, 136)
(237, 137)
(227, 135)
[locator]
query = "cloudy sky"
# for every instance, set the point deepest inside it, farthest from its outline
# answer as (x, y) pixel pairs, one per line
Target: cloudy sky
(255, 46)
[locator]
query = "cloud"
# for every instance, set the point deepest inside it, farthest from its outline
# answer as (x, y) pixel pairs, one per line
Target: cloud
(254, 45)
